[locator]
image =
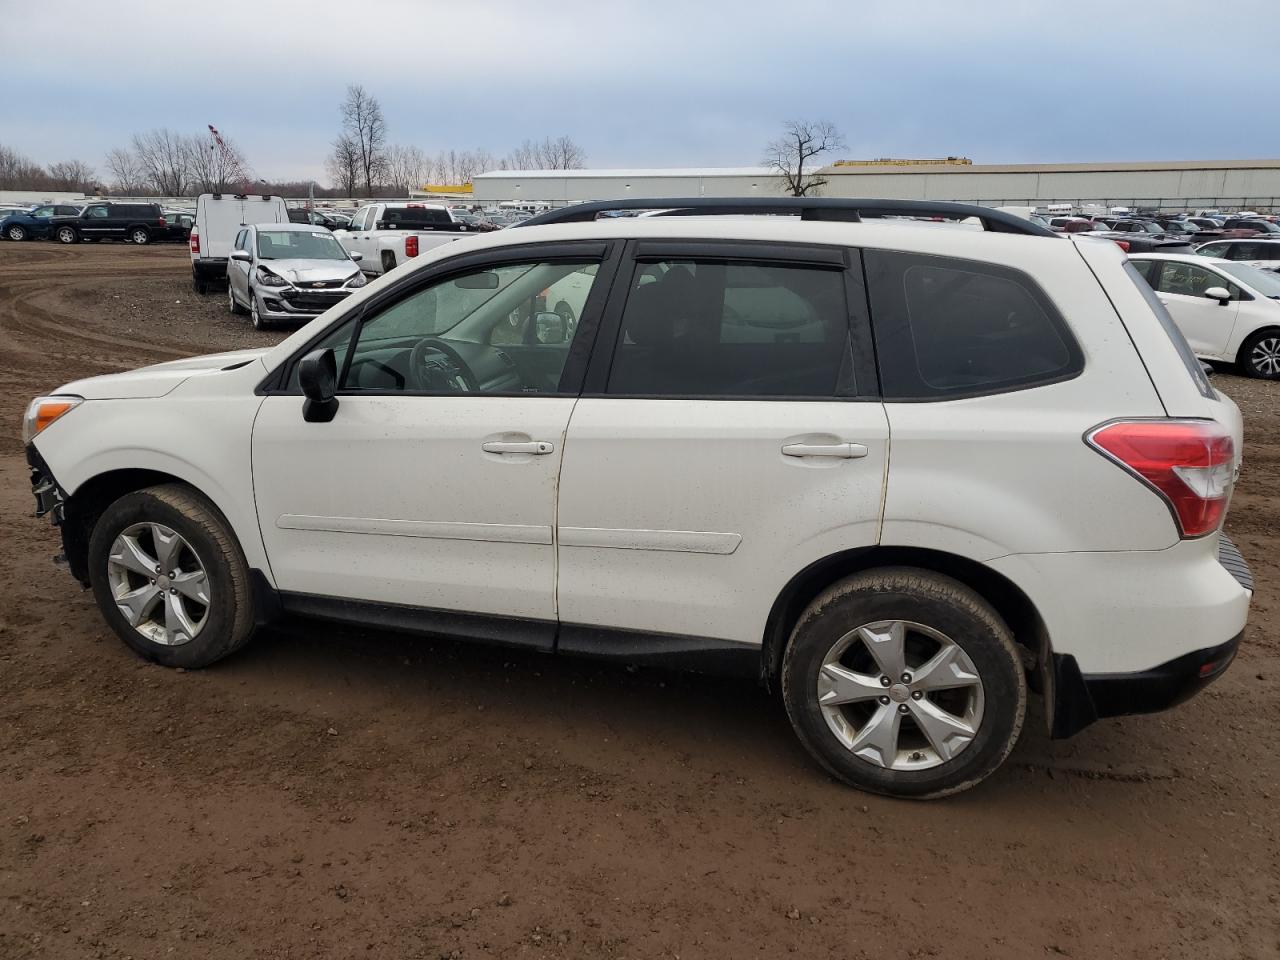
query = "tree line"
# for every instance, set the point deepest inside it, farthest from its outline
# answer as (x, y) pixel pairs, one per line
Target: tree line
(169, 163)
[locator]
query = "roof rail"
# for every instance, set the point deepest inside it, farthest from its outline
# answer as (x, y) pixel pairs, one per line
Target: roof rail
(808, 208)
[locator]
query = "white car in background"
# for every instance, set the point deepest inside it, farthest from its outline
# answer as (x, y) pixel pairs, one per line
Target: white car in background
(288, 272)
(1227, 310)
(387, 235)
(1256, 252)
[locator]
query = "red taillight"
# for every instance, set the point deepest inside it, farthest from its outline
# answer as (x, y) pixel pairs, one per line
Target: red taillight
(195, 240)
(1123, 245)
(1190, 463)
(410, 246)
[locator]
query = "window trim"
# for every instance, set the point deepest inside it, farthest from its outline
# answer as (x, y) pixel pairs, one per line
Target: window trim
(1077, 362)
(766, 252)
(607, 253)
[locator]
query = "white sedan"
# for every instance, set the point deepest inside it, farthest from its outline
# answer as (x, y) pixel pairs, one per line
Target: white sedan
(1227, 310)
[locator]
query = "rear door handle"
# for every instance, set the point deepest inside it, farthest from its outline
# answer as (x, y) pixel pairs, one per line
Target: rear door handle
(842, 451)
(536, 447)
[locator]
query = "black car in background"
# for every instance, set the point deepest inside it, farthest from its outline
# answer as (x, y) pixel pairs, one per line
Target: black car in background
(318, 218)
(132, 222)
(34, 223)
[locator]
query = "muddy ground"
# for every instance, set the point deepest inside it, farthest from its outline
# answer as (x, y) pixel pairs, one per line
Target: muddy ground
(331, 794)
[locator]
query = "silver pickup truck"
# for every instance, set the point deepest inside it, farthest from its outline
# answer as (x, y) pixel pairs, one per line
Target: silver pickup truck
(389, 234)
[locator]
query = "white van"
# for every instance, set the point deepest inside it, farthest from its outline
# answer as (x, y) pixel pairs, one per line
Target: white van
(219, 218)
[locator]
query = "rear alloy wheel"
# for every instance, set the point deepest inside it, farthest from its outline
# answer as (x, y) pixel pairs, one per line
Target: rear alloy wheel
(16, 232)
(1260, 355)
(232, 304)
(67, 235)
(170, 578)
(904, 682)
(139, 236)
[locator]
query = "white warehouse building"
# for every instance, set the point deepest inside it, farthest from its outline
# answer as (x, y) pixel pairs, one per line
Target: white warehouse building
(1231, 184)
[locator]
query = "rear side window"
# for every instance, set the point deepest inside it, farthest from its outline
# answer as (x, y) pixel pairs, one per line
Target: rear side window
(414, 217)
(702, 328)
(951, 328)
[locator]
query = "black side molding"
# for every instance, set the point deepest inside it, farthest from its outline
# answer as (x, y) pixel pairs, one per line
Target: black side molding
(1080, 699)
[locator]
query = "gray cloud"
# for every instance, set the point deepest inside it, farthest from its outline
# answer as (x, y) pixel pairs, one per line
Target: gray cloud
(655, 83)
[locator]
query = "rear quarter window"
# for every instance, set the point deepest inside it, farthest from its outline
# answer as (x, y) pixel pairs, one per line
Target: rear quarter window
(1194, 370)
(948, 328)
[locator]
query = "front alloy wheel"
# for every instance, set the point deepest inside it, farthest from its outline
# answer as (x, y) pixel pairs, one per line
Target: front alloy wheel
(170, 577)
(159, 583)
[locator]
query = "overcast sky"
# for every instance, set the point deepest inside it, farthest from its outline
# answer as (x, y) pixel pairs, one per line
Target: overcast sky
(652, 82)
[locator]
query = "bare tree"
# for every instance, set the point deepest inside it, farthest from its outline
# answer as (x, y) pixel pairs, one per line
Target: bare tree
(213, 170)
(802, 141)
(343, 165)
(127, 175)
(71, 175)
(562, 153)
(363, 123)
(165, 158)
(18, 172)
(406, 169)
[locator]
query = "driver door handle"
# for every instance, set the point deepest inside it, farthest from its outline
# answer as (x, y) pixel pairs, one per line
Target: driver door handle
(842, 451)
(536, 447)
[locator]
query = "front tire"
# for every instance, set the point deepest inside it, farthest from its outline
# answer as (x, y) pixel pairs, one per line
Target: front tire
(904, 682)
(170, 577)
(1260, 355)
(67, 235)
(255, 315)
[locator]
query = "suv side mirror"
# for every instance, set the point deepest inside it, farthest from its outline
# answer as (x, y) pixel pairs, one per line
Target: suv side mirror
(244, 255)
(356, 256)
(318, 377)
(1221, 294)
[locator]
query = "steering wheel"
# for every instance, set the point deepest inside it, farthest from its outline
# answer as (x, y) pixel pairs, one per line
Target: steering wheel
(436, 367)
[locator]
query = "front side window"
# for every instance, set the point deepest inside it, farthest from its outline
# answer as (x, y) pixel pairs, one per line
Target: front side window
(693, 328)
(299, 245)
(947, 327)
(1190, 280)
(458, 335)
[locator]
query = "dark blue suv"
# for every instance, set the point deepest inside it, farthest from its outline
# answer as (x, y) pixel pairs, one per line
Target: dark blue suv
(34, 223)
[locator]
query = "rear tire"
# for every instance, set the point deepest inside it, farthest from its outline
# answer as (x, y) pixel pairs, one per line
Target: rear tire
(219, 625)
(949, 716)
(388, 261)
(140, 236)
(66, 235)
(16, 232)
(1260, 355)
(198, 283)
(232, 304)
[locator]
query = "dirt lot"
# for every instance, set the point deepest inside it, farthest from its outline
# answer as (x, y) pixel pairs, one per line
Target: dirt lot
(328, 794)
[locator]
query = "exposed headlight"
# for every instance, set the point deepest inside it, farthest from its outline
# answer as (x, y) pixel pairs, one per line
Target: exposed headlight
(42, 411)
(357, 281)
(268, 279)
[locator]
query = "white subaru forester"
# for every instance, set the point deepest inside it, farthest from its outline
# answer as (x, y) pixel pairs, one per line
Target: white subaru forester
(902, 471)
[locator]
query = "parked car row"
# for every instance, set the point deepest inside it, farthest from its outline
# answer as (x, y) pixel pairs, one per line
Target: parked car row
(105, 220)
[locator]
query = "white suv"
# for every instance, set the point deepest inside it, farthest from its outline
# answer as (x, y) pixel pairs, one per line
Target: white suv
(901, 471)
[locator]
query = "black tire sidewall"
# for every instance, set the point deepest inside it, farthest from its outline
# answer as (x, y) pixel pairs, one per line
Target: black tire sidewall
(16, 229)
(71, 237)
(998, 664)
(215, 638)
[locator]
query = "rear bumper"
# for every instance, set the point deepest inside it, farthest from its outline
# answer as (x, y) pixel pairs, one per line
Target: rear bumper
(1080, 699)
(210, 268)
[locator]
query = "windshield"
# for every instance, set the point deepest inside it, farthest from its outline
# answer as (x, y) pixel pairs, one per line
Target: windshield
(1263, 281)
(298, 245)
